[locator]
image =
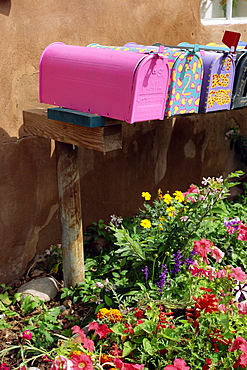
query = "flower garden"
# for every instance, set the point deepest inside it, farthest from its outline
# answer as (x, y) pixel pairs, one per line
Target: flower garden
(167, 290)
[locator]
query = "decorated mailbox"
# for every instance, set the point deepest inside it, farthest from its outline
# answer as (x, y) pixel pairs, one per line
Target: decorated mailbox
(126, 86)
(239, 95)
(217, 84)
(185, 80)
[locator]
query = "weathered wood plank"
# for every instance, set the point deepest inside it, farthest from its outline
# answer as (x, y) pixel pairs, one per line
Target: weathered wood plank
(103, 139)
(70, 212)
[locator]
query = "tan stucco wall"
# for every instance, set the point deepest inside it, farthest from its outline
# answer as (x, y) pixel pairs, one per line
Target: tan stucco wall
(169, 154)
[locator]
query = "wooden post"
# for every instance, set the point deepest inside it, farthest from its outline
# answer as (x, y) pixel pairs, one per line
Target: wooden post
(70, 212)
(68, 136)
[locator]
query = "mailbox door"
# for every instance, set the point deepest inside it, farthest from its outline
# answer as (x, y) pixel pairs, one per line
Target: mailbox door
(218, 80)
(239, 96)
(150, 87)
(185, 83)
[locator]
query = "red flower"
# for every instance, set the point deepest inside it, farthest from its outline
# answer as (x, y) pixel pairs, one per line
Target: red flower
(207, 365)
(207, 302)
(138, 313)
(101, 329)
(129, 328)
(124, 366)
(115, 351)
(179, 364)
(82, 361)
(242, 232)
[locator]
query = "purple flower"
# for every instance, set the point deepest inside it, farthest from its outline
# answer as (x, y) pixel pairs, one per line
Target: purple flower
(232, 225)
(240, 292)
(177, 257)
(145, 272)
(190, 260)
(162, 278)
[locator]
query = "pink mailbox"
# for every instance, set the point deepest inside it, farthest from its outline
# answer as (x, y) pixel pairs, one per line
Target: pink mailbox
(129, 86)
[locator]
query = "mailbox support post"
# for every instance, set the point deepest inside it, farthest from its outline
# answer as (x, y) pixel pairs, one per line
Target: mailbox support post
(86, 132)
(70, 212)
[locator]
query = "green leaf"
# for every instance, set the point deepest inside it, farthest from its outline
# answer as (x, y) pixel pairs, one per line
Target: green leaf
(5, 298)
(108, 300)
(128, 347)
(118, 328)
(148, 347)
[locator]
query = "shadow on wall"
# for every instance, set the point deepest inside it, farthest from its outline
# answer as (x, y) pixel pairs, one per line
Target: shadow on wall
(29, 219)
(5, 7)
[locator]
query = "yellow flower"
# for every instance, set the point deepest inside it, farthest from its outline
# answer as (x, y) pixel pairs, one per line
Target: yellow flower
(167, 198)
(178, 196)
(162, 219)
(102, 313)
(170, 211)
(114, 315)
(159, 195)
(76, 352)
(146, 224)
(146, 195)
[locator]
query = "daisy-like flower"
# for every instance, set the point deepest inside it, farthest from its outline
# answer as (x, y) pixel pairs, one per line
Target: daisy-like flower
(167, 198)
(82, 361)
(178, 195)
(146, 195)
(146, 224)
(170, 211)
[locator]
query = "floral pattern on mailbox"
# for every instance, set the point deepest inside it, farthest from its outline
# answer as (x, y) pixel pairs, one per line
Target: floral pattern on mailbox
(217, 85)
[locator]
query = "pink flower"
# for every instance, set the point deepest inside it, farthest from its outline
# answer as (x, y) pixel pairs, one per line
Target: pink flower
(45, 358)
(243, 360)
(3, 366)
(27, 334)
(202, 247)
(82, 361)
(192, 189)
(87, 343)
(242, 308)
(124, 366)
(178, 364)
(61, 360)
(197, 271)
(237, 343)
(101, 329)
(220, 274)
(242, 232)
(217, 254)
(237, 273)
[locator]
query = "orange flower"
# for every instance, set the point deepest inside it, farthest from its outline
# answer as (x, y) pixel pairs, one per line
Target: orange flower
(113, 315)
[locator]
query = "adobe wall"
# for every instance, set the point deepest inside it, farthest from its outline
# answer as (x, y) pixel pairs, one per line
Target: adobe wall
(169, 154)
